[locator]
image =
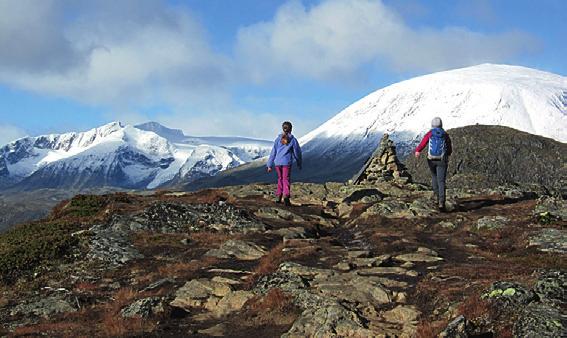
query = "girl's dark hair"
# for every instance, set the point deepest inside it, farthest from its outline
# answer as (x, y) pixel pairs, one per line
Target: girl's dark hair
(286, 127)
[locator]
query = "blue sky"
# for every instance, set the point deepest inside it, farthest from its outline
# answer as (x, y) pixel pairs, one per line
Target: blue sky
(224, 67)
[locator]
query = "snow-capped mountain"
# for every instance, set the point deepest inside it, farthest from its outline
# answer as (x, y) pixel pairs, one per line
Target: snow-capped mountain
(246, 149)
(521, 98)
(116, 155)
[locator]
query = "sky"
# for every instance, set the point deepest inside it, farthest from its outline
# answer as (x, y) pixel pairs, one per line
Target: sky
(241, 67)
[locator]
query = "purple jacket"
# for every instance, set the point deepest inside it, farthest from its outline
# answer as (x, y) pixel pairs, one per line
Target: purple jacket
(283, 154)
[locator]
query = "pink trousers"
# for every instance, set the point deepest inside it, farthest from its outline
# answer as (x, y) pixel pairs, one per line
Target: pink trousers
(284, 171)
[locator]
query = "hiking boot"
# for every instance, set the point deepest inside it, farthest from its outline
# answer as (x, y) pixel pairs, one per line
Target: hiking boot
(287, 202)
(441, 207)
(278, 199)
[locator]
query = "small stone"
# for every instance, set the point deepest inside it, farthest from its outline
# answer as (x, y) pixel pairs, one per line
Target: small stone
(343, 266)
(447, 225)
(408, 265)
(400, 297)
(427, 251)
(412, 273)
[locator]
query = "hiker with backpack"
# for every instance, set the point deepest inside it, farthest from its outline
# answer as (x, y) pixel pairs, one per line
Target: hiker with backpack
(285, 150)
(439, 150)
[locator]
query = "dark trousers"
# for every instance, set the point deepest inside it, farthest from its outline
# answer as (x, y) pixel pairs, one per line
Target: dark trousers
(438, 170)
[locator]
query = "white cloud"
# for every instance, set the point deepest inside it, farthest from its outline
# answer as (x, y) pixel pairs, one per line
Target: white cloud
(129, 56)
(10, 133)
(119, 53)
(337, 38)
(236, 123)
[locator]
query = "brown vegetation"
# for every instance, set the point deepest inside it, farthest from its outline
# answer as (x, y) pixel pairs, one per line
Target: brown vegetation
(275, 308)
(185, 269)
(113, 324)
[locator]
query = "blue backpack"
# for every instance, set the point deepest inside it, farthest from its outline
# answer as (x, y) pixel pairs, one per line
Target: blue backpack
(437, 145)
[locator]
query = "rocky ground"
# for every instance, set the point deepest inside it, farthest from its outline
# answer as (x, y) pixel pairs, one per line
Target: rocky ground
(344, 261)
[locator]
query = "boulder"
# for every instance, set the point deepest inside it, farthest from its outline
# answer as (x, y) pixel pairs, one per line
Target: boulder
(44, 307)
(402, 314)
(111, 246)
(457, 328)
(541, 320)
(491, 223)
(392, 208)
(551, 287)
(510, 295)
(328, 321)
(197, 292)
(144, 308)
(549, 209)
(231, 302)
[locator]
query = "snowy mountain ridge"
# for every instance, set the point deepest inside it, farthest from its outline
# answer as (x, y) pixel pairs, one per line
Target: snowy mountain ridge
(521, 98)
(118, 155)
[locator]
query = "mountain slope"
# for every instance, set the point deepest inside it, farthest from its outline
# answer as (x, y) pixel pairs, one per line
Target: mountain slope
(489, 156)
(521, 98)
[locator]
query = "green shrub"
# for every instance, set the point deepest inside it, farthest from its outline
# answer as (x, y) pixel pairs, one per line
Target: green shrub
(85, 205)
(25, 247)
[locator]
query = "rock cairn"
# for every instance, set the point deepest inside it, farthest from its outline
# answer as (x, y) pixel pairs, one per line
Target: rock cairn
(383, 166)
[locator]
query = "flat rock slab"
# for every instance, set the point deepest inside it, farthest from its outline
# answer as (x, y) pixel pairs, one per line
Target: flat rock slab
(238, 249)
(417, 257)
(196, 293)
(550, 240)
(383, 270)
(277, 213)
(358, 253)
(402, 315)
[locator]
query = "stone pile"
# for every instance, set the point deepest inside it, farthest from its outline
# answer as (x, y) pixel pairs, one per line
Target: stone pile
(383, 166)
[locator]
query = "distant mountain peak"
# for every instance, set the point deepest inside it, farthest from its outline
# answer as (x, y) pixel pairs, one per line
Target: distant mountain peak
(163, 131)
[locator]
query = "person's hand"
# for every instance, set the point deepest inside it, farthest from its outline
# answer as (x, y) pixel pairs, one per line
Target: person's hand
(417, 154)
(269, 169)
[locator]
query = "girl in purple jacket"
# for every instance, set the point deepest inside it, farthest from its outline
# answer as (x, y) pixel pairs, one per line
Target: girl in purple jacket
(285, 150)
